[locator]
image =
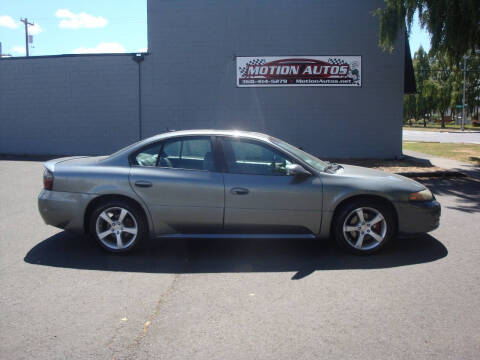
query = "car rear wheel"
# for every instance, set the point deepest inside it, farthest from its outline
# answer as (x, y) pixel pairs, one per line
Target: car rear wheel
(364, 227)
(118, 226)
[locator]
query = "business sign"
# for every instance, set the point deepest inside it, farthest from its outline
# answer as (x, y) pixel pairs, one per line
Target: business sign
(278, 71)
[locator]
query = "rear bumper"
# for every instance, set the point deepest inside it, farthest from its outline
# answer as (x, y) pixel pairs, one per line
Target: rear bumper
(63, 209)
(419, 217)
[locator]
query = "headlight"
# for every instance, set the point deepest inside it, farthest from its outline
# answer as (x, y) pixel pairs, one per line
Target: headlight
(424, 195)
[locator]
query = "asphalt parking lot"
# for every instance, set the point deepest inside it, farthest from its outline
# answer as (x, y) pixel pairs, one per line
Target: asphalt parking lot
(63, 298)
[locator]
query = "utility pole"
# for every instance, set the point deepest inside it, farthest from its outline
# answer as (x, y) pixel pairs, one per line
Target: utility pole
(26, 23)
(138, 58)
(465, 57)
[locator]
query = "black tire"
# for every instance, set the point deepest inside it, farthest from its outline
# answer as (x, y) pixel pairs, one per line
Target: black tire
(348, 215)
(134, 218)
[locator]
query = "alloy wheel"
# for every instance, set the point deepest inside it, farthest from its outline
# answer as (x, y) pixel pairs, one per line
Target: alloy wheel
(365, 228)
(116, 228)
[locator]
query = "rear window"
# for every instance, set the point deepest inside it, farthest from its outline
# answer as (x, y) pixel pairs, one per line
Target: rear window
(192, 153)
(148, 156)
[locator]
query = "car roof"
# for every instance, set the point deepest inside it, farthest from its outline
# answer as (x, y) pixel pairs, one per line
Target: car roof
(211, 132)
(124, 153)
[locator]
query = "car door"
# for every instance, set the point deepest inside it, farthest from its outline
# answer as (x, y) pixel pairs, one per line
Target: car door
(260, 195)
(179, 182)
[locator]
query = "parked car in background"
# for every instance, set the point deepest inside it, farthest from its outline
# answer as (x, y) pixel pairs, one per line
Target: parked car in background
(211, 183)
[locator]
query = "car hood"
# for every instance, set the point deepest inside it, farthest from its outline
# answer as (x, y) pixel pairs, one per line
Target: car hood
(366, 174)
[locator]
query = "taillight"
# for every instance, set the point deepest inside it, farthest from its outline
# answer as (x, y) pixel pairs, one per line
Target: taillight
(47, 180)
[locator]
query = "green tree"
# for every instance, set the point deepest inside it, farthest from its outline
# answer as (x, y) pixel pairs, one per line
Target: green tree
(472, 86)
(440, 87)
(456, 81)
(442, 75)
(454, 25)
(409, 108)
(429, 99)
(421, 66)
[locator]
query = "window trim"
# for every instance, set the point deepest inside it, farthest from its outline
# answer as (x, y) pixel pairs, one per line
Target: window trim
(163, 142)
(254, 141)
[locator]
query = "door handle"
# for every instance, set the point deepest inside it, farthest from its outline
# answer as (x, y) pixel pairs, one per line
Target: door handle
(239, 191)
(143, 183)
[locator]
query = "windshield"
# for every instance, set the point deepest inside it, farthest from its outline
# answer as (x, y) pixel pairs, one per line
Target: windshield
(311, 160)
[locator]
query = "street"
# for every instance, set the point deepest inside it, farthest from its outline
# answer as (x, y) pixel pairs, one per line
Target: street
(64, 298)
(444, 137)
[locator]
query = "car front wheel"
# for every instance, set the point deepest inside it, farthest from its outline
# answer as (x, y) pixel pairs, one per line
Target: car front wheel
(364, 227)
(117, 226)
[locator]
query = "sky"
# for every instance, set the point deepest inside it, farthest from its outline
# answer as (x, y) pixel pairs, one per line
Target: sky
(93, 26)
(418, 37)
(70, 27)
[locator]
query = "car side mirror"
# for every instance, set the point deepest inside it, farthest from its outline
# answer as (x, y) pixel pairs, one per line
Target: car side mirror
(297, 170)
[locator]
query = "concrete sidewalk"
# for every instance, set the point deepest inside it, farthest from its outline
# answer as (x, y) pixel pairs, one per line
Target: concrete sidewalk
(447, 164)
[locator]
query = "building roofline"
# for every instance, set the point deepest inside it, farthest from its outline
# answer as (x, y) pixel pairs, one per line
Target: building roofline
(71, 55)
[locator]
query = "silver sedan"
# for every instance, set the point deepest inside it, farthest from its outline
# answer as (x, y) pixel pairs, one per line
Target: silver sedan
(210, 183)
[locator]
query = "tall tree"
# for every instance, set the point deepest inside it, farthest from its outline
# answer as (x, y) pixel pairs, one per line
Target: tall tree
(409, 108)
(454, 25)
(421, 66)
(442, 76)
(429, 97)
(472, 93)
(456, 81)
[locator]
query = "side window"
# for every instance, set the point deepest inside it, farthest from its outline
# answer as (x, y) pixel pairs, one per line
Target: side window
(195, 149)
(172, 149)
(187, 153)
(148, 156)
(254, 158)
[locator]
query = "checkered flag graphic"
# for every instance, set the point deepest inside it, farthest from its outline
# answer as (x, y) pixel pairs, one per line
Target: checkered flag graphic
(336, 61)
(243, 69)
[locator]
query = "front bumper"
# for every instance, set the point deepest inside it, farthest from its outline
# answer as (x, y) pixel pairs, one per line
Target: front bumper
(63, 209)
(418, 217)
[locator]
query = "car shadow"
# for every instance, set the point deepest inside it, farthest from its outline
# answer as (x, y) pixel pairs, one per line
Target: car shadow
(465, 190)
(304, 257)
